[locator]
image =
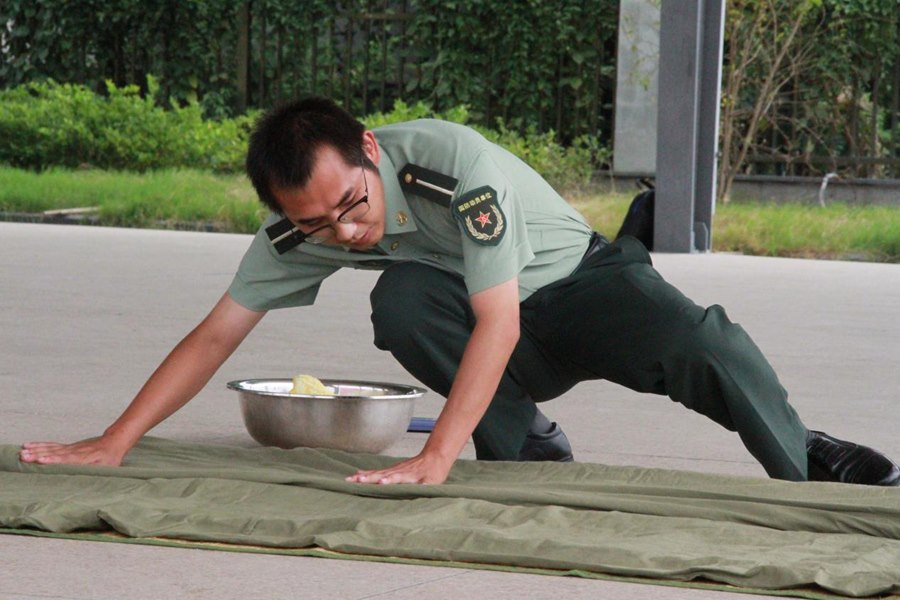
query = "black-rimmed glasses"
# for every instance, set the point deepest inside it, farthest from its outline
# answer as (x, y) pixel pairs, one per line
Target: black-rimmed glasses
(285, 234)
(351, 214)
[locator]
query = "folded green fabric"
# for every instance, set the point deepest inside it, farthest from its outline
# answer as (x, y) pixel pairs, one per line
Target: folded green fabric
(623, 521)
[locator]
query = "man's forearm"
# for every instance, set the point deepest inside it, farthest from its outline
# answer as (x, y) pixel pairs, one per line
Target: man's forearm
(183, 373)
(187, 368)
(481, 368)
(179, 378)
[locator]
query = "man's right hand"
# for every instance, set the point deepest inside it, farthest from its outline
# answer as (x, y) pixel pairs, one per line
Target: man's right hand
(94, 451)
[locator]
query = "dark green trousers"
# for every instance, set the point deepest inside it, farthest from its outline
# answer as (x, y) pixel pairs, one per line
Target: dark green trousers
(615, 318)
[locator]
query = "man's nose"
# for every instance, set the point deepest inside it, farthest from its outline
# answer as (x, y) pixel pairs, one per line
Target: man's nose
(343, 232)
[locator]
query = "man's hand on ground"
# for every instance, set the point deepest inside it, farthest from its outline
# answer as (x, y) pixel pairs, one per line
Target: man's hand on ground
(423, 468)
(94, 451)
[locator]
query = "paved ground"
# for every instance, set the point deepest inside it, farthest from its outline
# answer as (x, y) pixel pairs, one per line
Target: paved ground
(87, 313)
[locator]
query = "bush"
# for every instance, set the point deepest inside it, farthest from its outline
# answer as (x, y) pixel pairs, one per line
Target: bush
(565, 168)
(549, 64)
(49, 124)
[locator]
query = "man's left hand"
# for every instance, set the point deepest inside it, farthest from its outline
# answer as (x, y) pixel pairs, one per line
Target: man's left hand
(420, 469)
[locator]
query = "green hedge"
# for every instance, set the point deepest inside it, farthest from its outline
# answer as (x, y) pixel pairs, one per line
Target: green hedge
(549, 64)
(49, 124)
(565, 167)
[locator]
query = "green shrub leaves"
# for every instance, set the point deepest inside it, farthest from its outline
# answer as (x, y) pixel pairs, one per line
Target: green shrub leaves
(45, 124)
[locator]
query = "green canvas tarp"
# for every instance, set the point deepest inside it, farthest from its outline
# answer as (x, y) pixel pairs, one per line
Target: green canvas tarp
(577, 517)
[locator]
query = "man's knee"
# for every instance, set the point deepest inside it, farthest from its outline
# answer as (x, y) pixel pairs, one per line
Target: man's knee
(699, 341)
(714, 336)
(394, 296)
(408, 295)
(713, 365)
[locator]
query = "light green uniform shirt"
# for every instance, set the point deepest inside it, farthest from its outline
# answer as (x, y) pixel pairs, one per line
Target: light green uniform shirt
(543, 241)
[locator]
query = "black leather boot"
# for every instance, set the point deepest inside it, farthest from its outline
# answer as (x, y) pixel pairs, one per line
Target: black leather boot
(553, 445)
(831, 459)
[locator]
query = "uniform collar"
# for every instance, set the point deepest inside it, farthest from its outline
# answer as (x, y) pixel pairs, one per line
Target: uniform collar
(398, 218)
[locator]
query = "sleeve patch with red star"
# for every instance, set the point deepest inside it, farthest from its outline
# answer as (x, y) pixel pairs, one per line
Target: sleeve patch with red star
(480, 215)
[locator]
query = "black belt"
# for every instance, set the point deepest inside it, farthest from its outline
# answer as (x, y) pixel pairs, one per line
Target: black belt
(597, 243)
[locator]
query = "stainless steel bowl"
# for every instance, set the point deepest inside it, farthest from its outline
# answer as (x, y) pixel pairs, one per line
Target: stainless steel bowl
(362, 416)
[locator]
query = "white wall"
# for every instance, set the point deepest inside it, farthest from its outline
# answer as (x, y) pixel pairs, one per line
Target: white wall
(636, 88)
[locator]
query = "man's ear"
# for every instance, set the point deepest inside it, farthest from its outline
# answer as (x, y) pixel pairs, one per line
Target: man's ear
(370, 147)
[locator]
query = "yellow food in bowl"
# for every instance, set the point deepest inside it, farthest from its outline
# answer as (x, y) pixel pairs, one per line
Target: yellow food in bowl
(310, 386)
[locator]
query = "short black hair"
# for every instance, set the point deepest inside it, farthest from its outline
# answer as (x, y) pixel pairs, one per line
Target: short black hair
(284, 142)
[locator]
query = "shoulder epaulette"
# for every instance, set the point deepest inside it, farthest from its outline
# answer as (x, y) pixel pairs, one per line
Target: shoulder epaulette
(284, 235)
(428, 184)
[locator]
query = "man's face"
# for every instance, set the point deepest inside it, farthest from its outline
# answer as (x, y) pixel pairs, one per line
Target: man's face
(334, 187)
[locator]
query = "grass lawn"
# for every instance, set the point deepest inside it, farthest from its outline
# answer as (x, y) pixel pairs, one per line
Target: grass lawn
(166, 198)
(838, 231)
(153, 199)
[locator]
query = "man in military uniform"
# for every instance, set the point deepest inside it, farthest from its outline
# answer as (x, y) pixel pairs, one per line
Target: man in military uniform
(495, 293)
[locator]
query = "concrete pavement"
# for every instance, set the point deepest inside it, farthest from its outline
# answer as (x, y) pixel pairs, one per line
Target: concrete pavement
(87, 313)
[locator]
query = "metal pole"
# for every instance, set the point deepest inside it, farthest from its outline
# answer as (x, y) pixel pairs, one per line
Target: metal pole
(690, 67)
(713, 29)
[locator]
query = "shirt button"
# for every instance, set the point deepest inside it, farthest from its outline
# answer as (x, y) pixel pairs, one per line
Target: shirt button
(402, 218)
(437, 256)
(395, 245)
